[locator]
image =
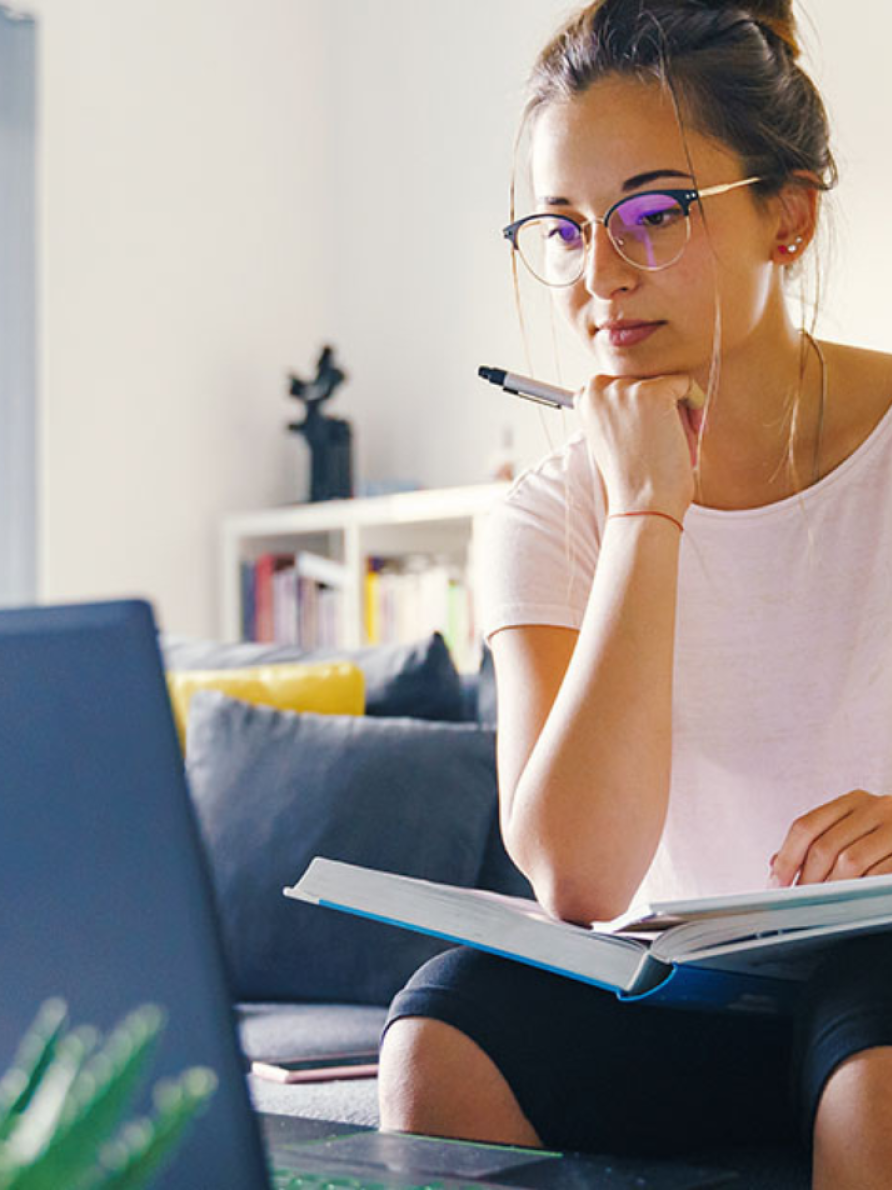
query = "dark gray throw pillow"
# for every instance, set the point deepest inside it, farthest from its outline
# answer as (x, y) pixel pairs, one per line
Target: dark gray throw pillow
(487, 709)
(273, 789)
(418, 679)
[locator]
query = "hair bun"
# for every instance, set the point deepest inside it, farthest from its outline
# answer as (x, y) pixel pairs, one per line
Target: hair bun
(776, 16)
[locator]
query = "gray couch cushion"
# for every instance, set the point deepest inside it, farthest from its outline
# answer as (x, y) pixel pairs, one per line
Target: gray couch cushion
(276, 1032)
(417, 680)
(274, 788)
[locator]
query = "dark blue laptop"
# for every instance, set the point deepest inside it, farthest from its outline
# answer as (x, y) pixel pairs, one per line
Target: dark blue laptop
(105, 902)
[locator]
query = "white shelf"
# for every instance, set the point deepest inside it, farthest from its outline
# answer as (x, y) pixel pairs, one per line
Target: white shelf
(443, 504)
(441, 522)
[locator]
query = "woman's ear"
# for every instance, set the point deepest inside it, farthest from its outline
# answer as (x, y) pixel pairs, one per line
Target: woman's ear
(796, 217)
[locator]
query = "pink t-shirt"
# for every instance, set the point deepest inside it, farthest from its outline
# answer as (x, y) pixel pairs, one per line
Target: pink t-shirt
(783, 651)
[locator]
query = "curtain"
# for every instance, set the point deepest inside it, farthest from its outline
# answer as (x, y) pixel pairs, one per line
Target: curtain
(18, 339)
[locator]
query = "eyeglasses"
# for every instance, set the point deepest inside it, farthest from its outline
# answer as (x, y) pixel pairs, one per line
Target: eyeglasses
(649, 230)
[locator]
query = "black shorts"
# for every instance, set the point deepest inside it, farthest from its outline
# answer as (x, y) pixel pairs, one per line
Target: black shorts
(593, 1074)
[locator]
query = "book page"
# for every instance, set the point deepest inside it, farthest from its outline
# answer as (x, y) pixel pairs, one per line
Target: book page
(800, 894)
(782, 955)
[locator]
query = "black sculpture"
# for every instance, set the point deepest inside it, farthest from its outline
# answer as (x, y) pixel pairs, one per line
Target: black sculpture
(330, 438)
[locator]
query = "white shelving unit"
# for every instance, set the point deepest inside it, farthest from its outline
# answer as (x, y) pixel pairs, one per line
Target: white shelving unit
(438, 523)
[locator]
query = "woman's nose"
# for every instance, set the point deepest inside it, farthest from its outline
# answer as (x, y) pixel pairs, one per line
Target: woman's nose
(605, 270)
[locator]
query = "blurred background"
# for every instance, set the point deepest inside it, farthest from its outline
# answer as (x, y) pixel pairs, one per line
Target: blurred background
(197, 195)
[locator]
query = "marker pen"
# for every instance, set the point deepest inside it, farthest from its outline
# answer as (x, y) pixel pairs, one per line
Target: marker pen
(533, 390)
(560, 398)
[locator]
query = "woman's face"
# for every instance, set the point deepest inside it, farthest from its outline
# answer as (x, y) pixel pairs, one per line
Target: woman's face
(585, 152)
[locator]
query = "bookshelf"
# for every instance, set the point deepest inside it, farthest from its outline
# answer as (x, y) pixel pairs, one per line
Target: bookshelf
(427, 529)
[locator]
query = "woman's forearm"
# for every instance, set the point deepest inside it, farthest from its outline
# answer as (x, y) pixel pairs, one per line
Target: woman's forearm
(588, 810)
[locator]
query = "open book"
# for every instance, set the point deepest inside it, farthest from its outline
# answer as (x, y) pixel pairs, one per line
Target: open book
(746, 951)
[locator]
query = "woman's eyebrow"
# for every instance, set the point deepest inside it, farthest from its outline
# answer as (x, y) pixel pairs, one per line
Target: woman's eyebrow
(632, 183)
(646, 179)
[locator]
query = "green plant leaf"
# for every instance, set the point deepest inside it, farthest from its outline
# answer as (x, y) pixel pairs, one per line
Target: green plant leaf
(96, 1100)
(144, 1147)
(35, 1053)
(64, 1097)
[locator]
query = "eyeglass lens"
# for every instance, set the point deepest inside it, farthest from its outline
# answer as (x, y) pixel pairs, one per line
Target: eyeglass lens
(648, 230)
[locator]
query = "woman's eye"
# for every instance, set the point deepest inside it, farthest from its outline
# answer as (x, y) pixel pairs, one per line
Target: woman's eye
(647, 212)
(565, 235)
(660, 219)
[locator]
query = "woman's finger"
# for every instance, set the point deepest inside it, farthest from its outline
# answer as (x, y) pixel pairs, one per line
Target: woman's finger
(805, 830)
(864, 854)
(843, 851)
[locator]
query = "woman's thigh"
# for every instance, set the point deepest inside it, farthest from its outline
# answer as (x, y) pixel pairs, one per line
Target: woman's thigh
(593, 1074)
(845, 1008)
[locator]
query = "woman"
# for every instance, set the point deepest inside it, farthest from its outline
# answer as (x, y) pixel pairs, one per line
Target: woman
(689, 613)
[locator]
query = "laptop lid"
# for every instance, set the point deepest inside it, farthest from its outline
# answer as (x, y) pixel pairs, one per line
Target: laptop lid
(106, 901)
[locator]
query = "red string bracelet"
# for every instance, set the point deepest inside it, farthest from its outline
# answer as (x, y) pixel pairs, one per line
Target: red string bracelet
(650, 512)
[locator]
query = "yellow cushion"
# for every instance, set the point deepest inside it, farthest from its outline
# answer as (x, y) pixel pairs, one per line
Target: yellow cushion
(330, 688)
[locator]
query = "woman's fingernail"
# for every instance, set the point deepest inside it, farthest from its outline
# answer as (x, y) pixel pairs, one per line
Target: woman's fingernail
(774, 881)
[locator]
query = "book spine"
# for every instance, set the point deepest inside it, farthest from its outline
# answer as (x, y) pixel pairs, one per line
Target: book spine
(268, 598)
(284, 627)
(331, 603)
(690, 986)
(263, 599)
(247, 601)
(372, 604)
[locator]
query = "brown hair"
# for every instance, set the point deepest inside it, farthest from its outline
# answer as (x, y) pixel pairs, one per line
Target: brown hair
(731, 70)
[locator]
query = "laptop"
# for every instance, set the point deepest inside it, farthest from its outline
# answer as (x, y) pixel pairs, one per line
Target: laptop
(107, 903)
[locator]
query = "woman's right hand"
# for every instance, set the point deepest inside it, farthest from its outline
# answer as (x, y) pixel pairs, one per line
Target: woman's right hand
(644, 440)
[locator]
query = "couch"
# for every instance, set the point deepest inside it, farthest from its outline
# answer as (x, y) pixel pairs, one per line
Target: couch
(408, 786)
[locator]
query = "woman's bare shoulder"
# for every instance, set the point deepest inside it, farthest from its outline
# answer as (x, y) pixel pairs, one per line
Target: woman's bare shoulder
(861, 371)
(859, 395)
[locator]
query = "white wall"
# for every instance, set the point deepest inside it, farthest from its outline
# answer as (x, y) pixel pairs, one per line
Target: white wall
(228, 186)
(424, 135)
(182, 144)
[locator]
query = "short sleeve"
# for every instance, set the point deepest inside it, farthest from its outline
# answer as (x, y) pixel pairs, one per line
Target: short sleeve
(539, 545)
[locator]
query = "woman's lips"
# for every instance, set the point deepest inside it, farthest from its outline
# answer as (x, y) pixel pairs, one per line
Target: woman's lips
(629, 333)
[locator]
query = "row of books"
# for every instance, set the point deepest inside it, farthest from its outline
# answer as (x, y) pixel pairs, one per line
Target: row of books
(293, 599)
(299, 599)
(409, 598)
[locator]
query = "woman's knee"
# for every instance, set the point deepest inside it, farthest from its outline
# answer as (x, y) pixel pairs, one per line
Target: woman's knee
(414, 1061)
(434, 1079)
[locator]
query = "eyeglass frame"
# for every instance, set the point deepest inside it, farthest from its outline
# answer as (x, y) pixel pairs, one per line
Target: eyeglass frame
(685, 199)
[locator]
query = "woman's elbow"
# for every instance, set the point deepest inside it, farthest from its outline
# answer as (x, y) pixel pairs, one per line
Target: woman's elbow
(581, 901)
(574, 893)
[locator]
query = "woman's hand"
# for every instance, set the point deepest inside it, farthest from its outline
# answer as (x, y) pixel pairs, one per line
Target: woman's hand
(840, 840)
(644, 439)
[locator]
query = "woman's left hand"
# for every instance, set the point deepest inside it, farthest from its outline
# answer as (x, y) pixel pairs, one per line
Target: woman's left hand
(840, 840)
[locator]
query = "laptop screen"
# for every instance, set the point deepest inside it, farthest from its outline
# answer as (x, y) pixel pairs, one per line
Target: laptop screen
(105, 898)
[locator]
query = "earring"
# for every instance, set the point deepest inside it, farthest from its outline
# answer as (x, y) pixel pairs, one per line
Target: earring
(787, 248)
